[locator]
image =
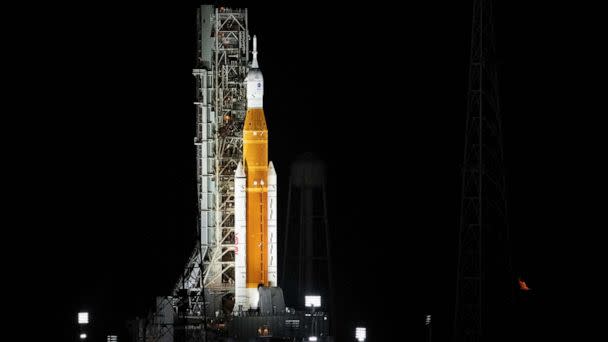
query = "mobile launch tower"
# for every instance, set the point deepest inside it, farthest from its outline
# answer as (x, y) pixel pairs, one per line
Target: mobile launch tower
(221, 66)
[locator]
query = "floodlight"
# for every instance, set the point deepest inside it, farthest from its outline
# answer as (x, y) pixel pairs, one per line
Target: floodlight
(360, 334)
(83, 318)
(83, 336)
(312, 301)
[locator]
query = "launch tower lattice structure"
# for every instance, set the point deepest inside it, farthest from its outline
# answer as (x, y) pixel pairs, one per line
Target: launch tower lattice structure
(221, 103)
(484, 279)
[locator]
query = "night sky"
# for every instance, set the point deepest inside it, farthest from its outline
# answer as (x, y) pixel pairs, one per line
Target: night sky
(377, 91)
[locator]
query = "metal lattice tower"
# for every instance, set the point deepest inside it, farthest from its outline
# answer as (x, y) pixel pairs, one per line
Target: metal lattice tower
(484, 281)
(221, 101)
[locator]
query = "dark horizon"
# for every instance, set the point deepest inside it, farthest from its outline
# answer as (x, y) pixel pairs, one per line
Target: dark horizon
(377, 92)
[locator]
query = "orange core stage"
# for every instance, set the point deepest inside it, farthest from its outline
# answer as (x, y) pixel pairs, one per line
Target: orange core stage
(255, 162)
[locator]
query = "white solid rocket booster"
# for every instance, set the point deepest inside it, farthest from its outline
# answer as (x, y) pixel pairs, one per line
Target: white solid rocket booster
(240, 240)
(273, 273)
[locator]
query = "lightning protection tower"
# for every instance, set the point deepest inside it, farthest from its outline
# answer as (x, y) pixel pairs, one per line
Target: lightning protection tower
(484, 281)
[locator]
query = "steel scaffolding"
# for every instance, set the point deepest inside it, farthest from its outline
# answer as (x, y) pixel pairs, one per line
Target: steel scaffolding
(221, 101)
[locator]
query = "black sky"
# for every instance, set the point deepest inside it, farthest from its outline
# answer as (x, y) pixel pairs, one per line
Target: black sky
(377, 91)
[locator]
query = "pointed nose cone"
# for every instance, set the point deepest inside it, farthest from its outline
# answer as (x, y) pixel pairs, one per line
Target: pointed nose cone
(255, 80)
(239, 173)
(271, 171)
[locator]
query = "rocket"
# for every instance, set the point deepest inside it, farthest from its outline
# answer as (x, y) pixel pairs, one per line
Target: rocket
(255, 196)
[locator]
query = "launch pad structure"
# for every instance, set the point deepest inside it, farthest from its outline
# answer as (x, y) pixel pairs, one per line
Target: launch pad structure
(221, 66)
(201, 307)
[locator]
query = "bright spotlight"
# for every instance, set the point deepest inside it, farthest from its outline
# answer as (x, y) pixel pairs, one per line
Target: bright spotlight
(83, 318)
(112, 338)
(83, 336)
(312, 301)
(312, 338)
(360, 334)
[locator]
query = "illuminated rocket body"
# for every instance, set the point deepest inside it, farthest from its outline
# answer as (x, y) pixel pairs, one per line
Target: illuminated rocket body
(255, 201)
